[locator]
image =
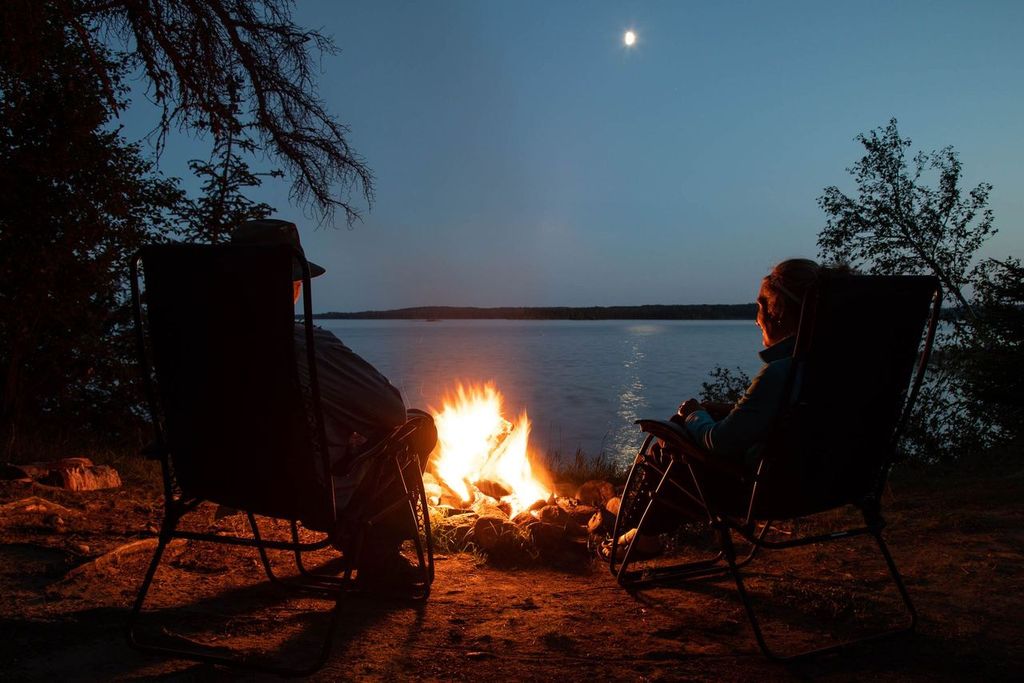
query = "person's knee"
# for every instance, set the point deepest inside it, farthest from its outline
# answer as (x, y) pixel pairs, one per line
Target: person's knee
(424, 436)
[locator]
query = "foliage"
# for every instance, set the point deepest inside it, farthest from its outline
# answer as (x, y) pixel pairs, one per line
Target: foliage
(898, 223)
(240, 69)
(77, 202)
(723, 386)
(993, 366)
(222, 204)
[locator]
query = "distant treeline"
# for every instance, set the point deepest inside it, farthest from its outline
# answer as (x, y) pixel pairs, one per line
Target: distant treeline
(650, 312)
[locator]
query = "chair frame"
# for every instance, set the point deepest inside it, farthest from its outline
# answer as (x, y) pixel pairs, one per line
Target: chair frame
(391, 461)
(683, 454)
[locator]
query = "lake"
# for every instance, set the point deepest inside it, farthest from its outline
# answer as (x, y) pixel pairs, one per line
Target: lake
(583, 383)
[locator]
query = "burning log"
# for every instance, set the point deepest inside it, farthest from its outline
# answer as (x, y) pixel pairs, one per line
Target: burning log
(488, 507)
(492, 489)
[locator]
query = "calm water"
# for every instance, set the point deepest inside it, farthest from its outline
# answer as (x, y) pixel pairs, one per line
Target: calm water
(582, 383)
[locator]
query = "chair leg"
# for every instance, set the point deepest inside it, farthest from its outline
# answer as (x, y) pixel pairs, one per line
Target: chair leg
(686, 570)
(167, 533)
(898, 580)
(416, 498)
(725, 536)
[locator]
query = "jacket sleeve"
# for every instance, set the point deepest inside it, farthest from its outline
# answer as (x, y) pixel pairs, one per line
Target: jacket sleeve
(750, 419)
(352, 391)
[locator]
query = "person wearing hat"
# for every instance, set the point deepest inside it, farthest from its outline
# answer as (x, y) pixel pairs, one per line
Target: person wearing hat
(360, 406)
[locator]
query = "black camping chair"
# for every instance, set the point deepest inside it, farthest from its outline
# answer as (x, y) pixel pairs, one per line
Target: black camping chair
(234, 425)
(833, 445)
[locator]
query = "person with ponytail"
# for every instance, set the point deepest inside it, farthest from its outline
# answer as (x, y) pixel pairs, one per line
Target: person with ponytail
(734, 431)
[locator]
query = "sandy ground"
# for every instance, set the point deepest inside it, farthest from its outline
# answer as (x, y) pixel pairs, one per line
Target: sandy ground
(957, 538)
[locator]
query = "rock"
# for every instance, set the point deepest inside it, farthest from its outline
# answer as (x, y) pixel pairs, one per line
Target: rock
(538, 505)
(487, 531)
(55, 522)
(74, 474)
(601, 522)
(35, 504)
(553, 514)
(523, 518)
(595, 492)
(453, 531)
(11, 472)
(547, 537)
(612, 505)
(492, 489)
(580, 512)
(503, 541)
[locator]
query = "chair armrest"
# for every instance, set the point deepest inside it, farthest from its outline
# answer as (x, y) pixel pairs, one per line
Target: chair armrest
(680, 442)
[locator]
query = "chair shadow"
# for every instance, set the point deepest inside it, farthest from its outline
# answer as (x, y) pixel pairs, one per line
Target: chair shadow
(93, 639)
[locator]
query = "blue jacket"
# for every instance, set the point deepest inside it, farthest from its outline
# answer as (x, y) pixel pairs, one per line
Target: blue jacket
(740, 433)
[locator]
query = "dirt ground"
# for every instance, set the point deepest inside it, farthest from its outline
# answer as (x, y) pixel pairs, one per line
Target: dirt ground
(958, 539)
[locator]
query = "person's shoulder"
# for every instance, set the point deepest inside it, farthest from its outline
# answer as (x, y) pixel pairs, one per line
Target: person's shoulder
(320, 334)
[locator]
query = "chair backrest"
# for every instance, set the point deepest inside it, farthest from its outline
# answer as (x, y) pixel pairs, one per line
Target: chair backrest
(859, 342)
(221, 329)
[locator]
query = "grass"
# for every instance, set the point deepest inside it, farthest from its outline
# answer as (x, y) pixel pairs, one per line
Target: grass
(580, 468)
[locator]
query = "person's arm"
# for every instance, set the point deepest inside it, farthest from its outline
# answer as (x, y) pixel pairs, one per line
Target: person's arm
(351, 389)
(717, 409)
(749, 420)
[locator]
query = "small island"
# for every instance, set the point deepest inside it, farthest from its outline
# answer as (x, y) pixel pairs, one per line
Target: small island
(646, 312)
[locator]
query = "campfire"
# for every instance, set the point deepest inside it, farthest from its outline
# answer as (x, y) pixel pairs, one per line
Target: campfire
(483, 454)
(487, 491)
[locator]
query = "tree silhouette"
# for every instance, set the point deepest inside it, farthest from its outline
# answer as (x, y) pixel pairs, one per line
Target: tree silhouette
(240, 69)
(77, 201)
(898, 223)
(914, 216)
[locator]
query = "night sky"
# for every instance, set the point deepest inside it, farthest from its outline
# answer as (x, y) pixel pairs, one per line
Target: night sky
(524, 156)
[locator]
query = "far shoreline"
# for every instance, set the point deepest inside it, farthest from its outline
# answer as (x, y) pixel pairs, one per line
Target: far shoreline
(645, 312)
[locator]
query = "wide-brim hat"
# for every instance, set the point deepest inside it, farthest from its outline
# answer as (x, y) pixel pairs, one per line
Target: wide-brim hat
(274, 231)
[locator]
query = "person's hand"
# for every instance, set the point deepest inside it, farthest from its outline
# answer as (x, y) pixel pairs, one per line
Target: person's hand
(689, 406)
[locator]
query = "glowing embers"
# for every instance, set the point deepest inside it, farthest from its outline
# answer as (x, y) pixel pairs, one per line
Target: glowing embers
(480, 452)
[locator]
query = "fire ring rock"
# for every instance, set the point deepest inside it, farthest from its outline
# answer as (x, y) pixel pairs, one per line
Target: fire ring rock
(595, 492)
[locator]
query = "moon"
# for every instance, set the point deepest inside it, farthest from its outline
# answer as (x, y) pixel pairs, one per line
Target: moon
(629, 39)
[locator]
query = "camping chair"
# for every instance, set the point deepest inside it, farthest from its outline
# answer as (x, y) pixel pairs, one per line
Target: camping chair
(858, 341)
(234, 426)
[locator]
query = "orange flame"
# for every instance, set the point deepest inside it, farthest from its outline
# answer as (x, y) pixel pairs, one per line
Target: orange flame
(476, 443)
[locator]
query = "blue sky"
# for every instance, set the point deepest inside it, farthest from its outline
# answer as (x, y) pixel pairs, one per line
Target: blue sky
(524, 156)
